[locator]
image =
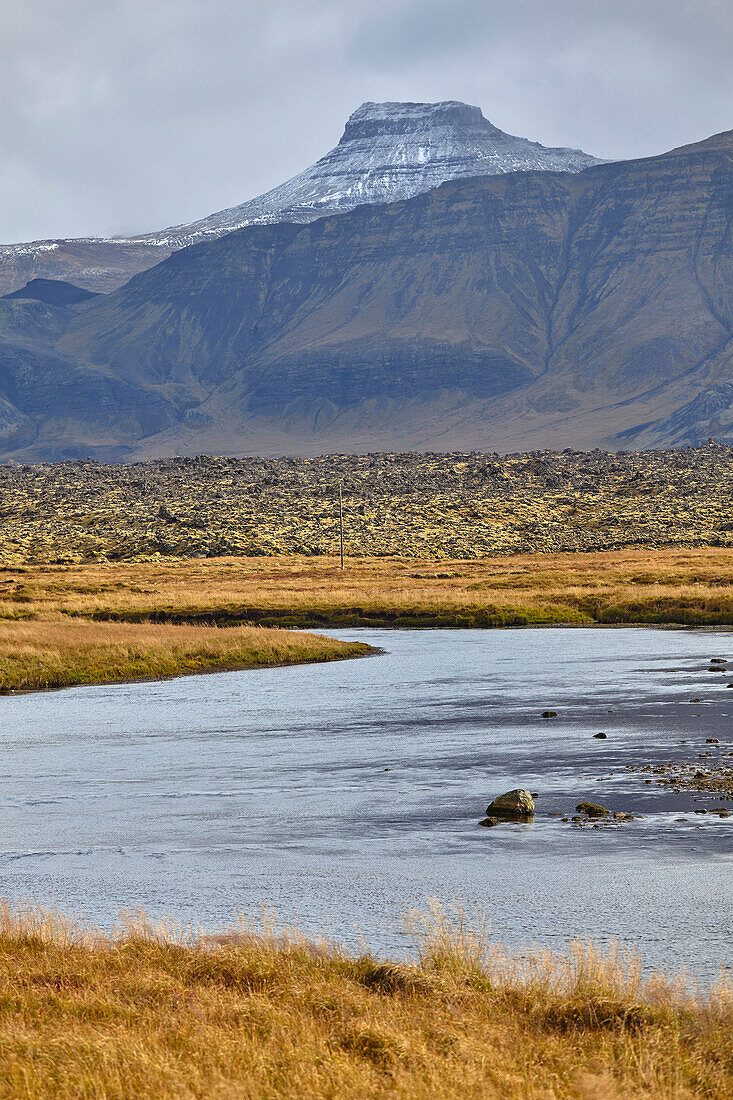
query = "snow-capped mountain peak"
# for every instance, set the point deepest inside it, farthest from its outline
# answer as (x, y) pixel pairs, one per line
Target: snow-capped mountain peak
(388, 152)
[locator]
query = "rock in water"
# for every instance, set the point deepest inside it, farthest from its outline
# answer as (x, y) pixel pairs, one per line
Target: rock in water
(518, 804)
(592, 809)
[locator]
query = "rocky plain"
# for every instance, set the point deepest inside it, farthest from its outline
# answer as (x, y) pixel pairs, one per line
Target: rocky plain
(441, 506)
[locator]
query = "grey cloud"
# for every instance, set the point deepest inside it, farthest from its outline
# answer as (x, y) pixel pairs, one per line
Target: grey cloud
(125, 115)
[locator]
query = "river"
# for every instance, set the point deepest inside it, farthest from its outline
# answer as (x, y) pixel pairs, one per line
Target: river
(342, 794)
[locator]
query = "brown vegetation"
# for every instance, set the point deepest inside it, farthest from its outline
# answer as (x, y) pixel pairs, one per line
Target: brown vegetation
(152, 1013)
(48, 653)
(173, 617)
(666, 586)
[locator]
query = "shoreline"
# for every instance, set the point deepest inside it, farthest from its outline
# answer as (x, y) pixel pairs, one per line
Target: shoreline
(52, 654)
(287, 620)
(375, 651)
(63, 626)
(370, 651)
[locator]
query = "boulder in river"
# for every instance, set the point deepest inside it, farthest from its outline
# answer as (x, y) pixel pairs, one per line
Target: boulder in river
(514, 804)
(591, 809)
(600, 736)
(489, 821)
(549, 714)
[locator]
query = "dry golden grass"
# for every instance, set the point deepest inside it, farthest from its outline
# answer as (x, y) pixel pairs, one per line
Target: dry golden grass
(164, 619)
(664, 586)
(50, 653)
(153, 1014)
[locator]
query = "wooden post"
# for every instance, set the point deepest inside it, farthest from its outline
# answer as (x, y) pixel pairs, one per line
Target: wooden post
(341, 520)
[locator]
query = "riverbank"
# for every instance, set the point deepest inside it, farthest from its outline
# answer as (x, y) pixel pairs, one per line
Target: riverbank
(155, 1013)
(677, 587)
(46, 652)
(102, 621)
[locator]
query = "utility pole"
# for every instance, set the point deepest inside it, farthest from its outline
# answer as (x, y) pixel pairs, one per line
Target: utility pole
(341, 520)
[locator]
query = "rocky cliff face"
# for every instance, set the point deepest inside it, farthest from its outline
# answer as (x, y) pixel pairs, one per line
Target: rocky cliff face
(389, 151)
(521, 310)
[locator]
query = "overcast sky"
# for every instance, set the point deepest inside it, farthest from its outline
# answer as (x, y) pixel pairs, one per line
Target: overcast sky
(120, 116)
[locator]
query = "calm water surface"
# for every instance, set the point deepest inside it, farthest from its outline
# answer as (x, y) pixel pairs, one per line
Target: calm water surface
(343, 794)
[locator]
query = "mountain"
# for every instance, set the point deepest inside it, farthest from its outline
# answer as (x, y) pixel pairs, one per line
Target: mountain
(388, 152)
(510, 312)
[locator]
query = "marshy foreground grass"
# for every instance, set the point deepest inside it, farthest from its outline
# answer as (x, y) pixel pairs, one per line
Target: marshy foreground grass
(52, 653)
(153, 1012)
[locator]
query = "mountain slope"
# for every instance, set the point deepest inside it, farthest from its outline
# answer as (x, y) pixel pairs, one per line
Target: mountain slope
(516, 311)
(388, 152)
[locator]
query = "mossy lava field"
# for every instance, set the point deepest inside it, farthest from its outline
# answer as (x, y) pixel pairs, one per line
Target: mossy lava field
(409, 506)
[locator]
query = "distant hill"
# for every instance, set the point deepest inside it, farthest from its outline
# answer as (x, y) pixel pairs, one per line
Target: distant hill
(524, 310)
(389, 151)
(54, 292)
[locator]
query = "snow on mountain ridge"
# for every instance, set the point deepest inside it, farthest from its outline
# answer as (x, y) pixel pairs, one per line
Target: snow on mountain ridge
(378, 119)
(388, 152)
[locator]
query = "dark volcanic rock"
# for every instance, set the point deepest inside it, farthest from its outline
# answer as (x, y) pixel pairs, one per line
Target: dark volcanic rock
(405, 505)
